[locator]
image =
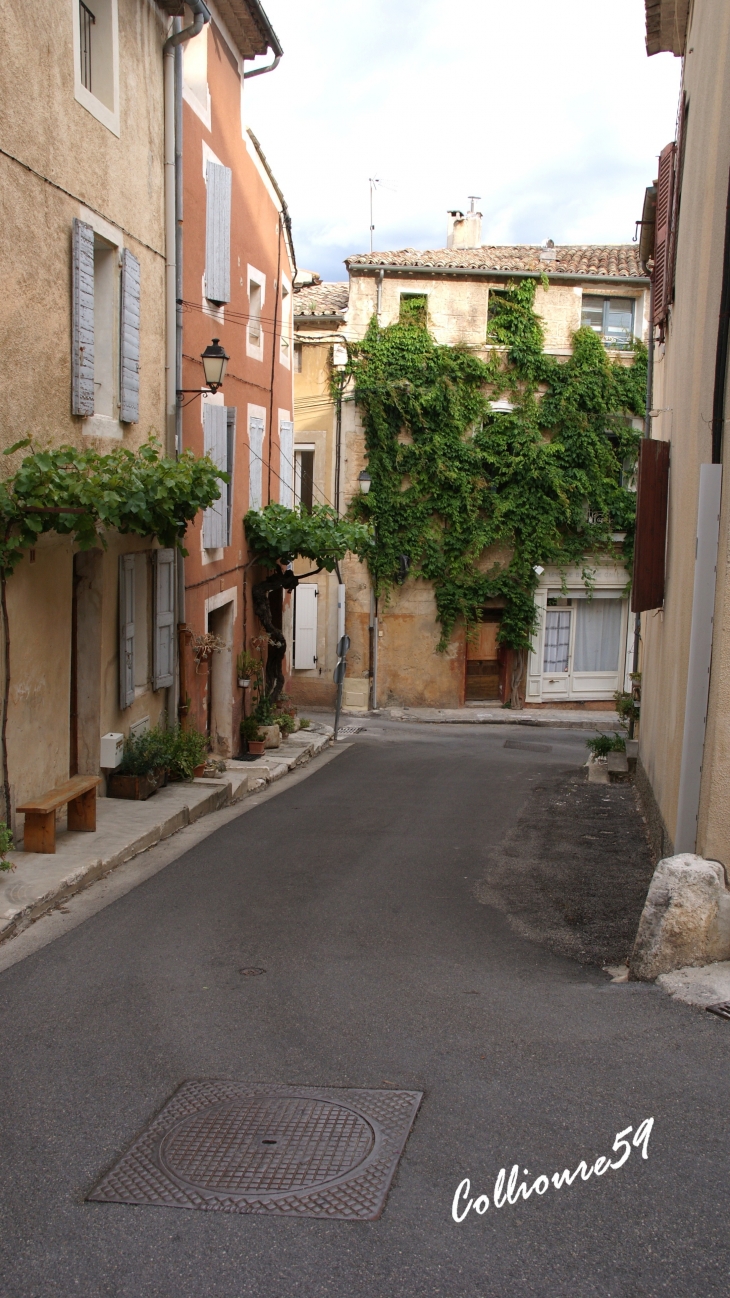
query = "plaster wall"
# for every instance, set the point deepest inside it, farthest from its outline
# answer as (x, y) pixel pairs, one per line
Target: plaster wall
(683, 392)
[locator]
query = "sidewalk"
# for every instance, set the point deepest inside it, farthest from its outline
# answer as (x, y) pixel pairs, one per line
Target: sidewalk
(124, 829)
(568, 718)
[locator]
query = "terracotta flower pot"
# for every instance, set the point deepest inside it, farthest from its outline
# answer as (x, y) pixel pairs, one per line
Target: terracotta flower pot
(199, 771)
(256, 747)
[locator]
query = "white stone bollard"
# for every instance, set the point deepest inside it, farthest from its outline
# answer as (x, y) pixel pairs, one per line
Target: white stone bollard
(685, 920)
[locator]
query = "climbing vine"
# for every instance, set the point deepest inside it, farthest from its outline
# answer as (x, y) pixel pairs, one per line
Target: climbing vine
(84, 493)
(473, 498)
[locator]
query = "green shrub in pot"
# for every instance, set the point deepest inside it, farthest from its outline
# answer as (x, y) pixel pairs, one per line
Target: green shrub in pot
(145, 753)
(187, 749)
(250, 730)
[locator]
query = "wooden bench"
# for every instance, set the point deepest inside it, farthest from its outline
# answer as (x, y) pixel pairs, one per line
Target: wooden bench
(40, 816)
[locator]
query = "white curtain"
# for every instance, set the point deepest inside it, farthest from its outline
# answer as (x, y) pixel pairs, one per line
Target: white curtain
(597, 635)
(557, 640)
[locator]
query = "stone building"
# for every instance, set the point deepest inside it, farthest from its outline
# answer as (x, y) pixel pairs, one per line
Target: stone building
(685, 603)
(395, 643)
(82, 260)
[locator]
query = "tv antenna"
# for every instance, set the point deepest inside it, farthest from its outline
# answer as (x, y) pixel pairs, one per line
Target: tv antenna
(473, 198)
(374, 181)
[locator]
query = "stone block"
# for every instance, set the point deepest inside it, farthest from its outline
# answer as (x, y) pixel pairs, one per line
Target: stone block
(272, 736)
(685, 920)
(617, 766)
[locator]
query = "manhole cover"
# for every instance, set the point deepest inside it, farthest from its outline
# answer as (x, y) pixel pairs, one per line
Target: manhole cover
(350, 730)
(720, 1008)
(313, 1152)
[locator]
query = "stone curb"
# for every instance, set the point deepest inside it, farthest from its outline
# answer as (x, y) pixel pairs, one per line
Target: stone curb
(36, 887)
(568, 719)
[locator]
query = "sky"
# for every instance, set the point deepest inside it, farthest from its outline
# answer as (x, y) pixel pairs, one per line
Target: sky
(551, 113)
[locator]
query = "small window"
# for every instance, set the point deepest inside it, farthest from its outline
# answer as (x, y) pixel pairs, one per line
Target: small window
(304, 479)
(497, 297)
(413, 308)
(297, 358)
(96, 72)
(87, 21)
(612, 318)
(254, 316)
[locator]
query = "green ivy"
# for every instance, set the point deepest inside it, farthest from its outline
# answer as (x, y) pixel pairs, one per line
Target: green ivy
(276, 533)
(142, 493)
(452, 478)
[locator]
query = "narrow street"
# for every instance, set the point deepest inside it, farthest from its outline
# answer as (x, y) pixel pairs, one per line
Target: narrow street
(363, 892)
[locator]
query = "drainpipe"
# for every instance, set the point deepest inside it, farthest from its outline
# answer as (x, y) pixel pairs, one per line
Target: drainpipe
(379, 304)
(646, 433)
(259, 72)
(705, 580)
(172, 63)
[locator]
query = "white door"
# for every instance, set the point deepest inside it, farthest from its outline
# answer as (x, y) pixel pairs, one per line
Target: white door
(305, 627)
(556, 653)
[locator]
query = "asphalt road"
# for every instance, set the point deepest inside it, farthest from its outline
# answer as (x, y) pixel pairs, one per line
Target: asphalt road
(357, 892)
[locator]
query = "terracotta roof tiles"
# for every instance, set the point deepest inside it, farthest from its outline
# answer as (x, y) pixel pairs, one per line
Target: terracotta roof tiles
(321, 299)
(570, 259)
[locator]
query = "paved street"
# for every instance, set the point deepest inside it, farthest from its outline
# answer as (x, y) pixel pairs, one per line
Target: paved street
(358, 892)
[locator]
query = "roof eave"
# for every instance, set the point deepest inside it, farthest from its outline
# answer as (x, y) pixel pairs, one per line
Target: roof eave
(484, 272)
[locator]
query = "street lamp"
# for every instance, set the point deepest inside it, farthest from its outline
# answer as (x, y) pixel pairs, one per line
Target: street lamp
(364, 480)
(215, 360)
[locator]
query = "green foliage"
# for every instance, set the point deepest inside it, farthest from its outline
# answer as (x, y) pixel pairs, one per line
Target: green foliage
(143, 493)
(474, 497)
(627, 706)
(176, 751)
(602, 745)
(250, 730)
(248, 665)
(277, 533)
(6, 843)
(264, 710)
(304, 723)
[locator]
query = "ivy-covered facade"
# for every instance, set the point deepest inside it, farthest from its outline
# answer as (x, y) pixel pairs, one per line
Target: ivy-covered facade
(496, 402)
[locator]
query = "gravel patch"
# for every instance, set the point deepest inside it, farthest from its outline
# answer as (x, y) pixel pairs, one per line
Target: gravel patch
(574, 871)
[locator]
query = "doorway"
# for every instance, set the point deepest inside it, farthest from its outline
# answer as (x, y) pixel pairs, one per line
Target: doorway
(85, 692)
(482, 659)
(220, 681)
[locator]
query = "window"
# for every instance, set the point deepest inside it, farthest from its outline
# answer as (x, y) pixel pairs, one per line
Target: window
(304, 477)
(557, 640)
(612, 318)
(96, 72)
(297, 358)
(254, 313)
(597, 635)
(219, 440)
(413, 308)
(256, 430)
(105, 331)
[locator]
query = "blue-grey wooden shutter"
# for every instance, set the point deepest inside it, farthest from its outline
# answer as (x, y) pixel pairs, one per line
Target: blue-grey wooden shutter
(82, 319)
(163, 647)
(215, 429)
(230, 464)
(126, 630)
(218, 233)
(129, 340)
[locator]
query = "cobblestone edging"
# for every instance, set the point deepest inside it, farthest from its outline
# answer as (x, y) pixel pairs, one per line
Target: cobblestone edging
(124, 829)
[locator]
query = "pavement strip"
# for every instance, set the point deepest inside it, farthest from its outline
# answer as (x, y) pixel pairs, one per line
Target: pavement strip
(82, 905)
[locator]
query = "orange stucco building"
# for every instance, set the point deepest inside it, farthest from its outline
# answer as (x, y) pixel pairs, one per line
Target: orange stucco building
(236, 286)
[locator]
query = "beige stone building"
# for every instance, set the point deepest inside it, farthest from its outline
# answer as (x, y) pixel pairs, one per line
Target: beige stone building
(393, 659)
(685, 711)
(82, 263)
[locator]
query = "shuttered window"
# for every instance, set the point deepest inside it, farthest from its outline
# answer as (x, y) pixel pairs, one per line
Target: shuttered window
(126, 630)
(218, 233)
(661, 273)
(305, 627)
(163, 620)
(129, 339)
(215, 518)
(82, 326)
(256, 454)
(647, 589)
(286, 463)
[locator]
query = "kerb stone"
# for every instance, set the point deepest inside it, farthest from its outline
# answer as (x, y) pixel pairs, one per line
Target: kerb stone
(686, 918)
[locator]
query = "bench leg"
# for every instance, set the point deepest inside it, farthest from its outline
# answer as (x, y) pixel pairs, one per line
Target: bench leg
(39, 834)
(82, 812)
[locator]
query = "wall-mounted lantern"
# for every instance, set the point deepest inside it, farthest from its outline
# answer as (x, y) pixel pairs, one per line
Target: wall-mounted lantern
(364, 481)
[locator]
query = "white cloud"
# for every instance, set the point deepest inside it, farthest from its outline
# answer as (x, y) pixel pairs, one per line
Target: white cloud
(551, 112)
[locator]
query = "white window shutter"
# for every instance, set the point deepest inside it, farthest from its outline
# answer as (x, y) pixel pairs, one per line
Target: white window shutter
(286, 463)
(126, 630)
(218, 233)
(256, 459)
(129, 341)
(163, 648)
(82, 321)
(305, 627)
(215, 518)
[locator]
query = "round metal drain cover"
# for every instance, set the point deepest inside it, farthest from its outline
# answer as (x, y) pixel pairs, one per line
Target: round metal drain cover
(266, 1145)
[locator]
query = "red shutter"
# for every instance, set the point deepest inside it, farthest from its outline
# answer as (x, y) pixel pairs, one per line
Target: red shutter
(665, 194)
(651, 526)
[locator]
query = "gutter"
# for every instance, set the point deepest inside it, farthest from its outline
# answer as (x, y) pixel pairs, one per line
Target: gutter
(316, 320)
(480, 272)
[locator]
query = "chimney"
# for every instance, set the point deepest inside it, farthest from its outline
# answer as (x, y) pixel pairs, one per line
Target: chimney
(464, 231)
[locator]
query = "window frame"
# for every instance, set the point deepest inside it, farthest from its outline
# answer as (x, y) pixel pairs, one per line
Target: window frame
(109, 117)
(604, 335)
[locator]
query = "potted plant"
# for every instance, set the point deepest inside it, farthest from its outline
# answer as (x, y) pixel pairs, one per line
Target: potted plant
(247, 667)
(143, 769)
(187, 753)
(252, 735)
